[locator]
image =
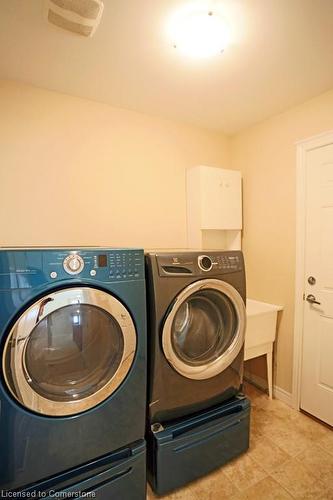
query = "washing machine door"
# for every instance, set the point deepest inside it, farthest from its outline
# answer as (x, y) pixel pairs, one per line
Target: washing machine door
(69, 351)
(204, 330)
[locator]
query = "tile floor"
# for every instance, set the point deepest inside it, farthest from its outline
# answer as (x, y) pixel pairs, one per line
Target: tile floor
(290, 456)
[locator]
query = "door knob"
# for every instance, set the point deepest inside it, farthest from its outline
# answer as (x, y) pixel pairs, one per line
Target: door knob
(312, 299)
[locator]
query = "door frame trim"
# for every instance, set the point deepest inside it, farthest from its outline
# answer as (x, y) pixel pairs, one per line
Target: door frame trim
(303, 147)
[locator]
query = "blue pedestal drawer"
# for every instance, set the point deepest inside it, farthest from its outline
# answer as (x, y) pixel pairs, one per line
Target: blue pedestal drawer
(120, 475)
(182, 451)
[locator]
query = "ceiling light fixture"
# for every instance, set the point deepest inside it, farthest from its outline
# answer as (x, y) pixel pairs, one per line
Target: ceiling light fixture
(198, 32)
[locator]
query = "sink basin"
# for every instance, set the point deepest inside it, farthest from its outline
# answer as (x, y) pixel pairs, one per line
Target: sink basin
(261, 323)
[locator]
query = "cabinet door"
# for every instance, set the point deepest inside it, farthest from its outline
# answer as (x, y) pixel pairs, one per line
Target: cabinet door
(221, 199)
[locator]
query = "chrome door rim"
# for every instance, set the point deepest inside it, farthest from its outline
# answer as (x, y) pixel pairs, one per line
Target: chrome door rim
(20, 334)
(215, 367)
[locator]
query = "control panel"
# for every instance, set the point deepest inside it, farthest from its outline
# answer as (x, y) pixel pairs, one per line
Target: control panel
(32, 267)
(227, 261)
(104, 265)
(199, 264)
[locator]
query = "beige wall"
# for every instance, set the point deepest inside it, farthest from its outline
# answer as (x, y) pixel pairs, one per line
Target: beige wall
(76, 172)
(266, 155)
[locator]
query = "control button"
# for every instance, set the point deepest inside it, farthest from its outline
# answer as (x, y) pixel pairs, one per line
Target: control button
(53, 275)
(93, 272)
(73, 264)
(205, 263)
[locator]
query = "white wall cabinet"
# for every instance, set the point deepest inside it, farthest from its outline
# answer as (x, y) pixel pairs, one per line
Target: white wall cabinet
(214, 208)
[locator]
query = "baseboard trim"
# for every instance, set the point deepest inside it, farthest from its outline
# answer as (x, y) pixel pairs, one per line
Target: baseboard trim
(261, 383)
(258, 382)
(284, 396)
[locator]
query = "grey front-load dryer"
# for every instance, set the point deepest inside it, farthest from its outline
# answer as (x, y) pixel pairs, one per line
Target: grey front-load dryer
(196, 328)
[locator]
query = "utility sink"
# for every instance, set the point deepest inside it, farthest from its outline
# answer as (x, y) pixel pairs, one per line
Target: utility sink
(261, 332)
(261, 322)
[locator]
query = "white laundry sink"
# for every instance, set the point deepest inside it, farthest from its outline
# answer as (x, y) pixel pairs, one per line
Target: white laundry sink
(260, 333)
(261, 322)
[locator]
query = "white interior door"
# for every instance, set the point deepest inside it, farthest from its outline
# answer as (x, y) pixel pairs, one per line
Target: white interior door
(317, 364)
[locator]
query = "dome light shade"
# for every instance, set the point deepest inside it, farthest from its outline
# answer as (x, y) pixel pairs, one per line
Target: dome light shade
(198, 32)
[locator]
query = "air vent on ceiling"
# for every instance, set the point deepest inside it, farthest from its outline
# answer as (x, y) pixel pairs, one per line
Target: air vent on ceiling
(77, 16)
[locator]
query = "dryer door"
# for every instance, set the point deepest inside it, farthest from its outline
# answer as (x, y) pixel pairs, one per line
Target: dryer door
(69, 351)
(205, 329)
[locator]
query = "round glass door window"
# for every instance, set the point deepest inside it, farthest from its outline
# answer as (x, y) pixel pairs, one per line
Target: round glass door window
(205, 329)
(73, 352)
(69, 351)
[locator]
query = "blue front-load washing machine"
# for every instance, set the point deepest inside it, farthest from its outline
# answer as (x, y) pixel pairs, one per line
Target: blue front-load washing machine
(73, 378)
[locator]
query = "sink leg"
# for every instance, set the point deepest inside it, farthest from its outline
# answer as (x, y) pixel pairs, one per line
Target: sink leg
(269, 360)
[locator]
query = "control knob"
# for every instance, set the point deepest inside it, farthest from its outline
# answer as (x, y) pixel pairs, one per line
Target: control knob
(205, 263)
(73, 264)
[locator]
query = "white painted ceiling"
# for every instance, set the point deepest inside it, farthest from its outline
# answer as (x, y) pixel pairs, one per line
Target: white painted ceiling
(281, 55)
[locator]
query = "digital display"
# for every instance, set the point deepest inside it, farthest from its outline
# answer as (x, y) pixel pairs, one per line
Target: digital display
(102, 261)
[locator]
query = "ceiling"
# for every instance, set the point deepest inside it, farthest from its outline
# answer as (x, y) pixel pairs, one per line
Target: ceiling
(281, 54)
